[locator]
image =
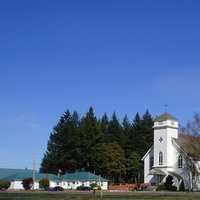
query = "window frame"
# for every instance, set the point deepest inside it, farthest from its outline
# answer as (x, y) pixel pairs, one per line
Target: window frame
(151, 163)
(160, 158)
(180, 161)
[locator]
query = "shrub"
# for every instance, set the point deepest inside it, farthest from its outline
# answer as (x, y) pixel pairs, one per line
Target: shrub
(161, 187)
(168, 183)
(27, 183)
(144, 186)
(44, 183)
(182, 186)
(95, 186)
(173, 188)
(83, 188)
(4, 185)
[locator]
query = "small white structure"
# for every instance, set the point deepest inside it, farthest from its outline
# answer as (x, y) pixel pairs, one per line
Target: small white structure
(67, 181)
(170, 155)
(74, 180)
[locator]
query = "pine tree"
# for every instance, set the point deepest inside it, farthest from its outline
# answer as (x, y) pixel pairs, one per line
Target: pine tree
(115, 131)
(127, 132)
(90, 135)
(134, 167)
(137, 136)
(105, 146)
(147, 126)
(104, 122)
(60, 146)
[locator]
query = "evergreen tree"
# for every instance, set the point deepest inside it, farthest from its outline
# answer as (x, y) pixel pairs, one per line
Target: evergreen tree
(90, 135)
(115, 131)
(143, 133)
(104, 122)
(147, 126)
(137, 136)
(110, 161)
(108, 147)
(134, 167)
(60, 146)
(75, 151)
(127, 132)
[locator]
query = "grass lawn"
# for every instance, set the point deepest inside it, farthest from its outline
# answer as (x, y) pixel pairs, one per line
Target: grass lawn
(90, 196)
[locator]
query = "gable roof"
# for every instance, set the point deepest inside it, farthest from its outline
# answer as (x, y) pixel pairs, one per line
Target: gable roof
(190, 145)
(82, 176)
(164, 117)
(150, 149)
(11, 173)
(20, 174)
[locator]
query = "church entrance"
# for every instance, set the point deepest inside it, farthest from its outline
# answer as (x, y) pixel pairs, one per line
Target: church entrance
(159, 179)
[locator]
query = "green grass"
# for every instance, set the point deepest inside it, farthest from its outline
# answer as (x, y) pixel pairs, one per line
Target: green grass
(107, 196)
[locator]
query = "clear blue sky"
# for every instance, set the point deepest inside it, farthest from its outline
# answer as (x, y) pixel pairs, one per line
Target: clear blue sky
(124, 56)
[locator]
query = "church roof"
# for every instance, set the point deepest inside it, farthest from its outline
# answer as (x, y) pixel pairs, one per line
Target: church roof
(190, 145)
(164, 117)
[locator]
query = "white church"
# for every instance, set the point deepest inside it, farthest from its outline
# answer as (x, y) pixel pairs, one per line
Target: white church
(172, 154)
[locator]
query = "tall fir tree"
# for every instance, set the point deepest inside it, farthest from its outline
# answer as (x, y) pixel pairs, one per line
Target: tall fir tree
(115, 131)
(147, 126)
(137, 136)
(104, 122)
(58, 154)
(127, 132)
(98, 145)
(90, 135)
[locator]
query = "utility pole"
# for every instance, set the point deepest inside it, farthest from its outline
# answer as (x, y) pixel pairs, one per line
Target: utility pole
(101, 191)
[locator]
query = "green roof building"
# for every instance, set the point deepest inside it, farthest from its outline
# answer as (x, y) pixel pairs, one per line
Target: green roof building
(67, 181)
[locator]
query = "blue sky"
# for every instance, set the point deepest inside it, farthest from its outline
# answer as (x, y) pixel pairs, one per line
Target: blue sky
(123, 56)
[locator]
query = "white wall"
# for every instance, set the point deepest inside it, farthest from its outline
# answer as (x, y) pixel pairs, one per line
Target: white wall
(165, 130)
(171, 150)
(160, 146)
(16, 185)
(147, 177)
(74, 184)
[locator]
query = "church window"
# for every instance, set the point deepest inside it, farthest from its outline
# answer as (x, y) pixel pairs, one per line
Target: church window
(161, 158)
(151, 162)
(180, 161)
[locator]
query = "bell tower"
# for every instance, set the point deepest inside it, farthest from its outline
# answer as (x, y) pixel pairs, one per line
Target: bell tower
(165, 128)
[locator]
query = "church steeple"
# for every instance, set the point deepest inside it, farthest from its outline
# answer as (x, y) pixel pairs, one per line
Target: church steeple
(165, 120)
(165, 128)
(165, 116)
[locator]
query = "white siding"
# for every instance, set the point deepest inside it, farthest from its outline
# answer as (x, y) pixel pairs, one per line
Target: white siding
(147, 177)
(16, 185)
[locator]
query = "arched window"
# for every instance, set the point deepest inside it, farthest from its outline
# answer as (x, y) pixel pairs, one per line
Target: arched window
(161, 158)
(180, 161)
(151, 162)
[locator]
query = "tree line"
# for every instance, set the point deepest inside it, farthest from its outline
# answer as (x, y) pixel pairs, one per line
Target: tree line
(104, 146)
